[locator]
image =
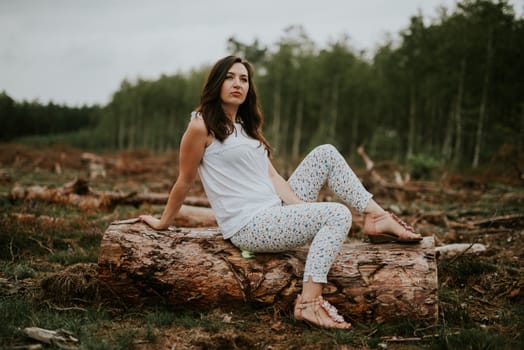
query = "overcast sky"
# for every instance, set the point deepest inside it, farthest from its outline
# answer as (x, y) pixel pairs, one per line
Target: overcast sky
(79, 51)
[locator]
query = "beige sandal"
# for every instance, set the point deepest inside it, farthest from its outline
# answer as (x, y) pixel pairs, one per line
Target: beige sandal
(370, 228)
(316, 305)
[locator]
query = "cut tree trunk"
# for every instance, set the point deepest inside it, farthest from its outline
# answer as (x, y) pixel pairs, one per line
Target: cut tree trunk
(197, 269)
(78, 192)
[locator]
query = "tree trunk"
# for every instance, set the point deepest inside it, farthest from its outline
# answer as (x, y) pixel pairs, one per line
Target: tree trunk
(297, 132)
(448, 135)
(483, 102)
(284, 134)
(456, 119)
(194, 212)
(198, 269)
(520, 140)
(354, 129)
(121, 132)
(412, 116)
(275, 127)
(333, 111)
(458, 113)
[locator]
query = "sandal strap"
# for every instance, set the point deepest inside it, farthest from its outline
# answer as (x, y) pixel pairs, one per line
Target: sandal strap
(331, 311)
(307, 304)
(319, 301)
(402, 222)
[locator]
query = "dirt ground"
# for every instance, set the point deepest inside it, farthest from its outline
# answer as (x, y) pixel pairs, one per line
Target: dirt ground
(480, 294)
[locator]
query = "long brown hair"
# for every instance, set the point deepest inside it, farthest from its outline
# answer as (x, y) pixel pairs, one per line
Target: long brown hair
(214, 116)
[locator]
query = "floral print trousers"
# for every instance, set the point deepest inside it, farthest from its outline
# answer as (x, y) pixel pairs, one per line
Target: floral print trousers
(324, 224)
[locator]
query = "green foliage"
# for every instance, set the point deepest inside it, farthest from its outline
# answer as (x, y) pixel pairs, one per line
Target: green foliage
(81, 138)
(463, 268)
(15, 240)
(344, 336)
(92, 343)
(446, 295)
(125, 338)
(473, 338)
(14, 313)
(17, 314)
(384, 144)
(161, 318)
(190, 320)
(400, 328)
(18, 271)
(512, 313)
(422, 166)
(450, 87)
(33, 118)
(76, 240)
(66, 258)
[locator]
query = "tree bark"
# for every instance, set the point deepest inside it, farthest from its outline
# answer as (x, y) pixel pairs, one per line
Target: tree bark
(79, 193)
(412, 122)
(276, 115)
(333, 110)
(458, 113)
(194, 212)
(483, 102)
(297, 132)
(198, 269)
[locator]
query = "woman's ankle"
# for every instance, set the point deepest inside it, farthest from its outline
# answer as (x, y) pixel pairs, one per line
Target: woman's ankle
(311, 290)
(373, 209)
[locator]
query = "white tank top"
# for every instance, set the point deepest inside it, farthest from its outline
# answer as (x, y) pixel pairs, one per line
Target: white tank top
(235, 177)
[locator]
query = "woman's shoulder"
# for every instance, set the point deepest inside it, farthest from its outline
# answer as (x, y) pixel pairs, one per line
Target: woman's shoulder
(196, 115)
(197, 121)
(198, 128)
(198, 125)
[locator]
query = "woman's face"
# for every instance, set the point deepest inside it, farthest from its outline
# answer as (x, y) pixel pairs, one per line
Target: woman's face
(236, 85)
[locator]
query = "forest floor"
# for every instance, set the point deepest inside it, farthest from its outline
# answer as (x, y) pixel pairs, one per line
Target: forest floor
(480, 295)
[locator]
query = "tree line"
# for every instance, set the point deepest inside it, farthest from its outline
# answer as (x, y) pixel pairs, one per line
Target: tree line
(33, 118)
(450, 89)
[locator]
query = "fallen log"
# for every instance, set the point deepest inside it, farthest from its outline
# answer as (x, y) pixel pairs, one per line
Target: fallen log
(504, 220)
(454, 249)
(196, 268)
(60, 338)
(95, 165)
(376, 177)
(77, 192)
(399, 185)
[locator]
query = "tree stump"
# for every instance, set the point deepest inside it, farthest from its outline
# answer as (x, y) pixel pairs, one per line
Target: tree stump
(194, 268)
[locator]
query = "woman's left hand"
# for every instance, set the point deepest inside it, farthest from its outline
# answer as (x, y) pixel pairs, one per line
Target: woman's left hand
(152, 221)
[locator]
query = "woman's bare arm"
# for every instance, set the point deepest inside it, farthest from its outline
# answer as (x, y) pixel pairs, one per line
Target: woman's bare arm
(192, 149)
(282, 187)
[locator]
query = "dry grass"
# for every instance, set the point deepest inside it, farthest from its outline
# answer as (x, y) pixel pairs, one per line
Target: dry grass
(48, 257)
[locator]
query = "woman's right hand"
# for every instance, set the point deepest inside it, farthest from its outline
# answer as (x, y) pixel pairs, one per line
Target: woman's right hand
(153, 222)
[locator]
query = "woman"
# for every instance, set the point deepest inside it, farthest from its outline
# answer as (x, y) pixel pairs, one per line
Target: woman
(256, 209)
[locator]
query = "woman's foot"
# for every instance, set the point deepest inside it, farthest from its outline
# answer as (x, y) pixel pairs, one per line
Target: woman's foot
(319, 312)
(386, 227)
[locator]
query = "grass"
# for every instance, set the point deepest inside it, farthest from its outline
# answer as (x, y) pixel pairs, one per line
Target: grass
(18, 312)
(472, 338)
(463, 269)
(15, 312)
(158, 318)
(463, 324)
(32, 248)
(18, 271)
(25, 244)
